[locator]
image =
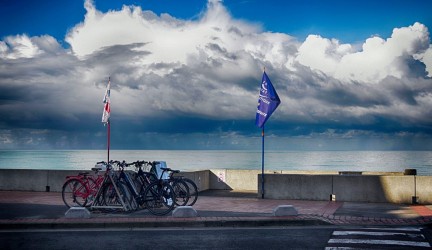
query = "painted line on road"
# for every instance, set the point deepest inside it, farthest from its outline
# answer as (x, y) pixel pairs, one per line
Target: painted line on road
(414, 229)
(380, 242)
(340, 248)
(341, 233)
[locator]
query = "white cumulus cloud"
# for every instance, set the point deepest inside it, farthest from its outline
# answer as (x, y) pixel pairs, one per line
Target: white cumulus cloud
(19, 46)
(169, 39)
(377, 59)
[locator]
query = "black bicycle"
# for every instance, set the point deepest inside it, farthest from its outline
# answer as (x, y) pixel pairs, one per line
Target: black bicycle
(181, 189)
(156, 195)
(185, 189)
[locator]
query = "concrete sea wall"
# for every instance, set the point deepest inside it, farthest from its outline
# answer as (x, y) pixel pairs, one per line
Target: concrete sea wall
(52, 180)
(393, 187)
(406, 189)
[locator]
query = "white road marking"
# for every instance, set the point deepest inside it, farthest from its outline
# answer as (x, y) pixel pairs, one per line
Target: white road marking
(339, 233)
(339, 248)
(382, 242)
(395, 229)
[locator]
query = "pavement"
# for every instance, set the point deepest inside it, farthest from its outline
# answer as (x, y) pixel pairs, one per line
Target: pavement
(215, 208)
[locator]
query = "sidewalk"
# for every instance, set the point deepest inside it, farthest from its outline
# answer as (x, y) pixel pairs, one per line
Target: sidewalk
(215, 208)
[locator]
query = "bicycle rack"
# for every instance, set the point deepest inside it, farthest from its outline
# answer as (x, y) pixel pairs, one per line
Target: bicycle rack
(96, 204)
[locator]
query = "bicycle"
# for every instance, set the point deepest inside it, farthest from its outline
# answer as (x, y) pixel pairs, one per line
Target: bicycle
(186, 191)
(157, 196)
(112, 194)
(80, 190)
(188, 194)
(122, 181)
(144, 178)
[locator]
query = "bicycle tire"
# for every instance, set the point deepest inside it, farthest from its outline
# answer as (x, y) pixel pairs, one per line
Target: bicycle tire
(74, 193)
(181, 191)
(193, 191)
(159, 198)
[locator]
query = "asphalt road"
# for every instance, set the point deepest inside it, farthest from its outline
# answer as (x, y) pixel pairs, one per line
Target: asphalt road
(176, 238)
(303, 237)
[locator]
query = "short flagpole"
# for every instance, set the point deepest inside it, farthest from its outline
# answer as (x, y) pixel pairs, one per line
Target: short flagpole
(262, 164)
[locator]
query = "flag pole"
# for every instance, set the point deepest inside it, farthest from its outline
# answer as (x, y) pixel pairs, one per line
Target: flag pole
(109, 136)
(106, 116)
(262, 164)
(109, 123)
(267, 103)
(109, 126)
(262, 158)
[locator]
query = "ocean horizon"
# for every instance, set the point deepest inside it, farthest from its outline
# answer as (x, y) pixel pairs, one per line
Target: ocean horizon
(187, 160)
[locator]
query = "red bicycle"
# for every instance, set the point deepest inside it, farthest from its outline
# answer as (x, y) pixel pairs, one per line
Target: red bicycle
(80, 190)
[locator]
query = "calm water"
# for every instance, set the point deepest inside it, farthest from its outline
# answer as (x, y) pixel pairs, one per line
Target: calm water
(196, 159)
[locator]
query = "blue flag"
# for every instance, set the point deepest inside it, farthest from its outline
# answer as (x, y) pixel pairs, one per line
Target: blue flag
(268, 101)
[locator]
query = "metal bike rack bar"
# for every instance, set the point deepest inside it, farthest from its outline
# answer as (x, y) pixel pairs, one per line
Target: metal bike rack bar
(123, 206)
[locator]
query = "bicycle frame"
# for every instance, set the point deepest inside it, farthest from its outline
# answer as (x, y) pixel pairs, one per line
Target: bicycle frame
(144, 178)
(84, 190)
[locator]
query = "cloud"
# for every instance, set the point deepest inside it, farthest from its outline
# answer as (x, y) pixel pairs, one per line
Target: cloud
(172, 77)
(426, 58)
(377, 59)
(20, 46)
(169, 39)
(322, 54)
(196, 63)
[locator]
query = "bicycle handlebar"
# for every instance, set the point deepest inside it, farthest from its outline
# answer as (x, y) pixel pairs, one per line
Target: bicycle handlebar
(123, 163)
(140, 163)
(137, 164)
(170, 170)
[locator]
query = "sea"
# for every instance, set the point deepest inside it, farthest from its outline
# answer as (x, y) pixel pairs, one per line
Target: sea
(187, 160)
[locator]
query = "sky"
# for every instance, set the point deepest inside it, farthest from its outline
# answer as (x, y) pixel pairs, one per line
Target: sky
(186, 74)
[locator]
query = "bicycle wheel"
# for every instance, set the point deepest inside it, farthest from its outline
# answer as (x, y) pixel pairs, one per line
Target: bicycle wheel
(181, 191)
(159, 198)
(74, 193)
(193, 191)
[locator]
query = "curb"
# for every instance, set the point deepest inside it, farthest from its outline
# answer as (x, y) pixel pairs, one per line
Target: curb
(196, 222)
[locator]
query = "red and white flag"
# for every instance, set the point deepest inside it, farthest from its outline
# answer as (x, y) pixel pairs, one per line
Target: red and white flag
(106, 100)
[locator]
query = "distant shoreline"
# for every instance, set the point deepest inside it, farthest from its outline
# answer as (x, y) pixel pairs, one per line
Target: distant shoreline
(185, 160)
